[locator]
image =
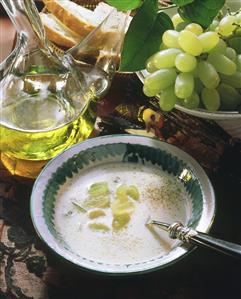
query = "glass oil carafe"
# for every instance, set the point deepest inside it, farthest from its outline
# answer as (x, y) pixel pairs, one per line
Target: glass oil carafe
(46, 102)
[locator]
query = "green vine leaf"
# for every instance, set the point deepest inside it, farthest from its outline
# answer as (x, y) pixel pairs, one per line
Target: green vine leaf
(125, 5)
(182, 2)
(201, 11)
(143, 37)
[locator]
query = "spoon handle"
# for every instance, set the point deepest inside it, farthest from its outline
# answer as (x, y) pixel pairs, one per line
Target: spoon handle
(217, 244)
(176, 230)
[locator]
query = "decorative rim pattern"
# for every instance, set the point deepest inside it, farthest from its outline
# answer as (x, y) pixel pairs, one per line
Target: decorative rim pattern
(170, 158)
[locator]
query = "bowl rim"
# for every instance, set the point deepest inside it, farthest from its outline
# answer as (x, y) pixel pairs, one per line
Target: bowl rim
(204, 225)
(202, 113)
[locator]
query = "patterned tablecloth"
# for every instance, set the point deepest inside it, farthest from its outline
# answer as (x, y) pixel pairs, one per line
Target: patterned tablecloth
(29, 269)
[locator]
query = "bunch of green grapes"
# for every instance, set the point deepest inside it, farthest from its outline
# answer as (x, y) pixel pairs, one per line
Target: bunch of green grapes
(194, 69)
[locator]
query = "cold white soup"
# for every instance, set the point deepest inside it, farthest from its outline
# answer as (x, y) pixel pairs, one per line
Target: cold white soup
(101, 213)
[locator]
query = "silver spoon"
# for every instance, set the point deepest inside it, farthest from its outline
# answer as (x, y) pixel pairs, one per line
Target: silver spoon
(186, 234)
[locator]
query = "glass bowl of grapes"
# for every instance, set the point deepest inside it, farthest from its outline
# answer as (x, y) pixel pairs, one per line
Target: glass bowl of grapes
(198, 70)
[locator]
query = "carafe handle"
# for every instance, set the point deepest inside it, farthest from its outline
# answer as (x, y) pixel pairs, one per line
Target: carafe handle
(25, 17)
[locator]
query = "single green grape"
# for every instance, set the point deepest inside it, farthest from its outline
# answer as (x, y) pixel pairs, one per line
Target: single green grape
(167, 99)
(220, 48)
(93, 214)
(190, 43)
(133, 192)
(101, 201)
(185, 62)
(99, 226)
(230, 98)
(227, 25)
(170, 39)
(231, 54)
(176, 19)
(159, 80)
(208, 74)
(211, 99)
(192, 102)
(166, 58)
(222, 64)
(121, 193)
(99, 189)
(147, 92)
(184, 85)
(150, 67)
(194, 28)
(120, 221)
(209, 40)
(120, 206)
(234, 80)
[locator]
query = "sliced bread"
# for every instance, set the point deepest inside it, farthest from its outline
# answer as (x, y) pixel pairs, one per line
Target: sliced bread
(58, 32)
(68, 20)
(77, 18)
(102, 10)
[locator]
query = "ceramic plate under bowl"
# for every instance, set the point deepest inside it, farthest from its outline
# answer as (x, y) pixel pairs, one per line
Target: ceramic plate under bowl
(172, 187)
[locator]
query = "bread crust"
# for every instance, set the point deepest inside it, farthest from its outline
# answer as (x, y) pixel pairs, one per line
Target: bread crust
(77, 25)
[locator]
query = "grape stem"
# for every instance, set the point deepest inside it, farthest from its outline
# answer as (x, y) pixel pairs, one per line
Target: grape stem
(229, 11)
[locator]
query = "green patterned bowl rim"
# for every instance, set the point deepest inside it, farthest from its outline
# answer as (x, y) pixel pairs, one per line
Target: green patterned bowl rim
(46, 181)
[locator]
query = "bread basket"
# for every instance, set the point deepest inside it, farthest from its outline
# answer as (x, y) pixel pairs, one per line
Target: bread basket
(91, 4)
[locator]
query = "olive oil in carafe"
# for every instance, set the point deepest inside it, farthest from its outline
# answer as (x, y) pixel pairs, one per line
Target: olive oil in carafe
(44, 145)
(40, 121)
